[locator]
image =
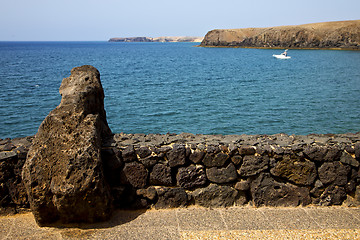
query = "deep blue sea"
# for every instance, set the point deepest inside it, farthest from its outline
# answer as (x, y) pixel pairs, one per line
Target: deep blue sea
(176, 87)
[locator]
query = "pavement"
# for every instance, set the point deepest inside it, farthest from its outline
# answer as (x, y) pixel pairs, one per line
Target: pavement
(200, 223)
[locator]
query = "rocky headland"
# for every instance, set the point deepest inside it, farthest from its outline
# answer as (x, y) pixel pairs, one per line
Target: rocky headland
(157, 39)
(325, 35)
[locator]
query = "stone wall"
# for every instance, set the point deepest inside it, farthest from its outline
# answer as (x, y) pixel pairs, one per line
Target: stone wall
(166, 171)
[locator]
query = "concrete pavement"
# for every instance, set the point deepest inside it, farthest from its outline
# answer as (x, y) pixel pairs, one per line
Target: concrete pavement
(200, 223)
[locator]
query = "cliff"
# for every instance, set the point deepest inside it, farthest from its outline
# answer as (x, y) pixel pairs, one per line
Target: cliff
(326, 35)
(157, 39)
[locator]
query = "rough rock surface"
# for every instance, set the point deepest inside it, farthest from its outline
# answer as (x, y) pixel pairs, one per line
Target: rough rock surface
(177, 156)
(191, 176)
(12, 158)
(161, 175)
(334, 172)
(342, 34)
(63, 172)
(253, 164)
(171, 197)
(222, 175)
(266, 191)
(135, 174)
(297, 170)
(215, 196)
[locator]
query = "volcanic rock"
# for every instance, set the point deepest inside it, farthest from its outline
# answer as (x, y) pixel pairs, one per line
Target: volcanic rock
(177, 155)
(136, 174)
(333, 195)
(161, 175)
(171, 198)
(253, 164)
(222, 175)
(191, 176)
(215, 196)
(196, 156)
(266, 191)
(298, 171)
(63, 173)
(217, 160)
(334, 172)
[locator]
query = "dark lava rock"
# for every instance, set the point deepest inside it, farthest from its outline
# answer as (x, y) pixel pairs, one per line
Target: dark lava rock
(247, 150)
(191, 176)
(265, 191)
(212, 149)
(333, 195)
(143, 152)
(149, 161)
(349, 160)
(176, 156)
(298, 171)
(171, 198)
(63, 173)
(129, 154)
(12, 190)
(315, 153)
(332, 154)
(161, 175)
(196, 156)
(222, 175)
(215, 196)
(253, 164)
(135, 174)
(217, 160)
(334, 173)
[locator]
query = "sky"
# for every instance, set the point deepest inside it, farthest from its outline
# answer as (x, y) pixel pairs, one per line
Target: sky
(99, 20)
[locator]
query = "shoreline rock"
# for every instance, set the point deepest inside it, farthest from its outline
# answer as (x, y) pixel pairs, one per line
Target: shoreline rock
(63, 173)
(324, 35)
(157, 39)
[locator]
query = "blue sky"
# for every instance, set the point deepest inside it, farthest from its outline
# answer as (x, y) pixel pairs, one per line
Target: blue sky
(88, 20)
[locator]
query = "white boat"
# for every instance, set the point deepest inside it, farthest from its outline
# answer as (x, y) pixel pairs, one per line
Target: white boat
(281, 56)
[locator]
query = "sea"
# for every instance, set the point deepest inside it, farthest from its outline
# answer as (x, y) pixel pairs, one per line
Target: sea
(179, 87)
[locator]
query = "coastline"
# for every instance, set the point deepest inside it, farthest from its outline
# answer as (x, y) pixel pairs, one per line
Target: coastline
(323, 35)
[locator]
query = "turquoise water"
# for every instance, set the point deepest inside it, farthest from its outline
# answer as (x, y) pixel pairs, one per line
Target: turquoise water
(176, 87)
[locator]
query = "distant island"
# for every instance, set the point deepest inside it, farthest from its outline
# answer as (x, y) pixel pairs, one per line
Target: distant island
(157, 39)
(325, 35)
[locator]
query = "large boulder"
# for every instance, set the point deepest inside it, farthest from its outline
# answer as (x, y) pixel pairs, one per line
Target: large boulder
(63, 173)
